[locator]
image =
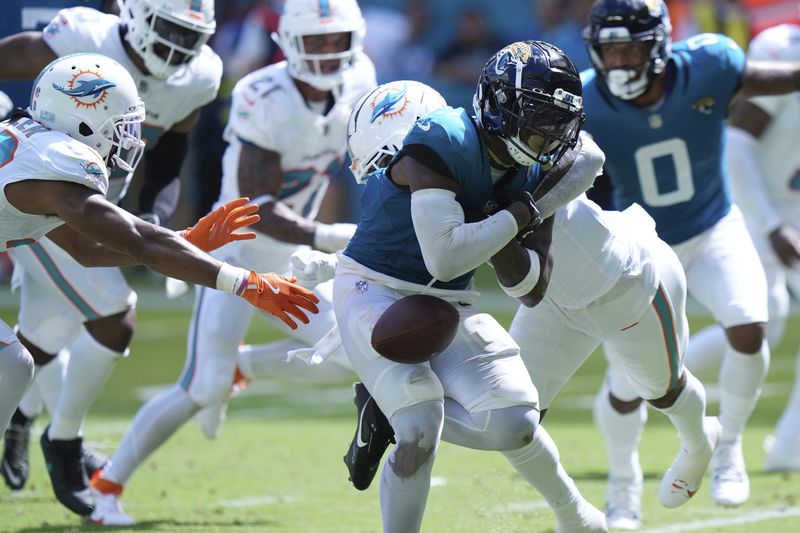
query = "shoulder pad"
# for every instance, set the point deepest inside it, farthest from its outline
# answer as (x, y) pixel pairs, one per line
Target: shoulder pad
(71, 160)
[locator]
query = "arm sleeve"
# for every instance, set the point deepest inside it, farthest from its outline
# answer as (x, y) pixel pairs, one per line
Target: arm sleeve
(578, 179)
(163, 166)
(450, 247)
(747, 181)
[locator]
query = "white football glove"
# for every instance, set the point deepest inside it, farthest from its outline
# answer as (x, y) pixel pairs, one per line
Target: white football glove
(312, 267)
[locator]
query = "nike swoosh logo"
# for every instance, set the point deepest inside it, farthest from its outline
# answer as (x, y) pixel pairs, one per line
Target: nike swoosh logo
(360, 442)
(424, 127)
(12, 478)
(275, 290)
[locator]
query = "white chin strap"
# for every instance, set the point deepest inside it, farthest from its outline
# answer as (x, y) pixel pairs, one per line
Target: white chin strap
(519, 154)
(624, 84)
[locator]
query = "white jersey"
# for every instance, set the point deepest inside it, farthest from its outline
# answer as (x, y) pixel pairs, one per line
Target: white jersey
(29, 151)
(167, 102)
(593, 249)
(268, 111)
(778, 156)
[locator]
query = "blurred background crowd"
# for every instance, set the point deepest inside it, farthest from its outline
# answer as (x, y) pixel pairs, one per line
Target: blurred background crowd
(443, 43)
(440, 42)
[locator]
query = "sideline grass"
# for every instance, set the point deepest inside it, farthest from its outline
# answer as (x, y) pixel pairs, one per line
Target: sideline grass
(277, 465)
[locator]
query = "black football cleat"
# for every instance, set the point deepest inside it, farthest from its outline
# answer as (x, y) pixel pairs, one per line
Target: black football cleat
(93, 461)
(373, 436)
(15, 466)
(64, 461)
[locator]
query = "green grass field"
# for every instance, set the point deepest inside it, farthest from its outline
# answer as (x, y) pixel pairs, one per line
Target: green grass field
(278, 464)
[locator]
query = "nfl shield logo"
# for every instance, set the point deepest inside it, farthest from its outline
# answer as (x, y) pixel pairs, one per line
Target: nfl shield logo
(361, 286)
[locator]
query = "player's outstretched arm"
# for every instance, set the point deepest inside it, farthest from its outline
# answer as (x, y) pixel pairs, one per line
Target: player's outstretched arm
(162, 250)
(768, 78)
(24, 55)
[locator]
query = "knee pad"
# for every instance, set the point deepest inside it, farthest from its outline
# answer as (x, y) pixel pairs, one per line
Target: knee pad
(512, 427)
(418, 431)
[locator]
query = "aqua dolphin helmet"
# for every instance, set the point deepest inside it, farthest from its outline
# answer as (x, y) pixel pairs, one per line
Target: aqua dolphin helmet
(301, 18)
(94, 100)
(624, 21)
(167, 34)
(530, 96)
(380, 120)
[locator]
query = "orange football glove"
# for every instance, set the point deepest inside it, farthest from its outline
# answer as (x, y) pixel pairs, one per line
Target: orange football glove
(218, 228)
(280, 297)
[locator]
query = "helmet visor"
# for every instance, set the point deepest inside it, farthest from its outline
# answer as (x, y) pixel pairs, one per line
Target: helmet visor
(546, 129)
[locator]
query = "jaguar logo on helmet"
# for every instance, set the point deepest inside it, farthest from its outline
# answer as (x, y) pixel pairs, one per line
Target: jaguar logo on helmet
(86, 88)
(519, 52)
(390, 101)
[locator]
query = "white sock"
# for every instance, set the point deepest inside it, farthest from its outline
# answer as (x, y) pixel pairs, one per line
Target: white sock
(622, 433)
(269, 361)
(50, 380)
(787, 432)
(740, 381)
(89, 368)
(31, 403)
(538, 463)
(688, 412)
(16, 373)
(153, 424)
(706, 349)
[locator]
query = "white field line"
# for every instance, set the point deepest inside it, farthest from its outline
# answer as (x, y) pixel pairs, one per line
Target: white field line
(746, 518)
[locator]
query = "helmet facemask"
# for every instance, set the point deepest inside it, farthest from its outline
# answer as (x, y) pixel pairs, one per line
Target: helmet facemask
(120, 139)
(542, 127)
(315, 21)
(650, 26)
(165, 42)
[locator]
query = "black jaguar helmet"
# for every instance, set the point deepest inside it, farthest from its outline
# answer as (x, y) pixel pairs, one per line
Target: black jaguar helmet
(529, 95)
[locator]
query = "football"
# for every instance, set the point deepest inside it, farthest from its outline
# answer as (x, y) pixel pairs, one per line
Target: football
(415, 328)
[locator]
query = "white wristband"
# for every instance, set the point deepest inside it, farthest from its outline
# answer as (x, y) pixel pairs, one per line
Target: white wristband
(232, 279)
(333, 237)
(528, 282)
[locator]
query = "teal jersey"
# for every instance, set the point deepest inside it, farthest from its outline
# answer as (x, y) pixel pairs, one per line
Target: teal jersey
(385, 240)
(670, 158)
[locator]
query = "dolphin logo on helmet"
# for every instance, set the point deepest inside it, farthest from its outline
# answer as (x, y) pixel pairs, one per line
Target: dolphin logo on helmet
(93, 90)
(388, 104)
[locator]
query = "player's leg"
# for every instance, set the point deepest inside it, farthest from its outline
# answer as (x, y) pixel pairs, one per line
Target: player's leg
(50, 323)
(552, 352)
(620, 416)
(285, 359)
(784, 449)
(726, 276)
(105, 304)
(411, 396)
(219, 322)
(16, 373)
(651, 351)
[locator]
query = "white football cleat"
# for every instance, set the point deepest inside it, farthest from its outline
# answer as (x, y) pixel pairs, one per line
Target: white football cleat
(586, 519)
(624, 503)
(107, 509)
(730, 485)
(686, 472)
(781, 458)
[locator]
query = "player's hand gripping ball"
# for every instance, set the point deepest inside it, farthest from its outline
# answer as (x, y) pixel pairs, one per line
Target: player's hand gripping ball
(415, 328)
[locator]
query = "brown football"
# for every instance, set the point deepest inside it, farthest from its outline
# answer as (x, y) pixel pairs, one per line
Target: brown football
(415, 328)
